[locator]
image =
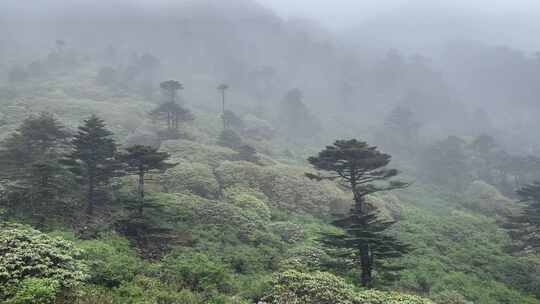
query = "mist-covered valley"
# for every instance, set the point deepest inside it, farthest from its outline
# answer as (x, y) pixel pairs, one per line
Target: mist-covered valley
(269, 152)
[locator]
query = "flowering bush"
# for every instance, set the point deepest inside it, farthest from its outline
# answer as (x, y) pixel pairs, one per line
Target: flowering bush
(294, 287)
(26, 253)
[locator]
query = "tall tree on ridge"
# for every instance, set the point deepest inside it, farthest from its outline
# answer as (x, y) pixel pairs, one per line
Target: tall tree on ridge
(140, 160)
(362, 168)
(29, 162)
(524, 228)
(171, 88)
(92, 158)
(171, 111)
(222, 88)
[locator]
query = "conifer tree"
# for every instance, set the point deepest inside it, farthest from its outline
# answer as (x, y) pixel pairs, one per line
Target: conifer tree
(92, 158)
(29, 162)
(363, 169)
(223, 88)
(140, 160)
(173, 114)
(524, 228)
(295, 119)
(170, 111)
(171, 87)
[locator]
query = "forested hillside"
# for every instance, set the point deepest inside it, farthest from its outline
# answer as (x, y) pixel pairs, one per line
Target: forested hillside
(253, 159)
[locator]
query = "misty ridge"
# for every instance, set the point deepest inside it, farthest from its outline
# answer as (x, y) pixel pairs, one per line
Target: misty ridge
(462, 86)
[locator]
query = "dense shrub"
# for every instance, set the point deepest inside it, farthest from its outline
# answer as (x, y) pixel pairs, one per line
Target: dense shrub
(111, 261)
(249, 203)
(26, 253)
(288, 232)
(141, 290)
(193, 177)
(285, 187)
(379, 297)
(486, 199)
(36, 291)
(198, 153)
(304, 258)
(230, 139)
(196, 271)
(242, 173)
(293, 287)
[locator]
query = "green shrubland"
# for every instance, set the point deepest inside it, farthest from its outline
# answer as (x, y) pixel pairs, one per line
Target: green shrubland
(216, 229)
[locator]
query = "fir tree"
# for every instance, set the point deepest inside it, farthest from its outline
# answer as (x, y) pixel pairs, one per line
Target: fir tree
(170, 111)
(171, 87)
(363, 169)
(92, 158)
(140, 160)
(29, 159)
(173, 114)
(223, 88)
(524, 228)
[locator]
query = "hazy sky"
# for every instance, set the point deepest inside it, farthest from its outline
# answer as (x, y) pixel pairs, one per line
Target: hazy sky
(343, 13)
(333, 13)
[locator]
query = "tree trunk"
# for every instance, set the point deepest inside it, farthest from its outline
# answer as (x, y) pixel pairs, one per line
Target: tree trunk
(358, 198)
(366, 260)
(223, 109)
(366, 264)
(141, 192)
(91, 195)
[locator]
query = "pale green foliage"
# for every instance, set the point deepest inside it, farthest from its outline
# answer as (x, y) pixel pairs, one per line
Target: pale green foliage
(207, 216)
(298, 193)
(486, 199)
(248, 203)
(304, 259)
(193, 177)
(285, 187)
(239, 189)
(227, 217)
(27, 253)
(379, 297)
(196, 152)
(293, 287)
(242, 173)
